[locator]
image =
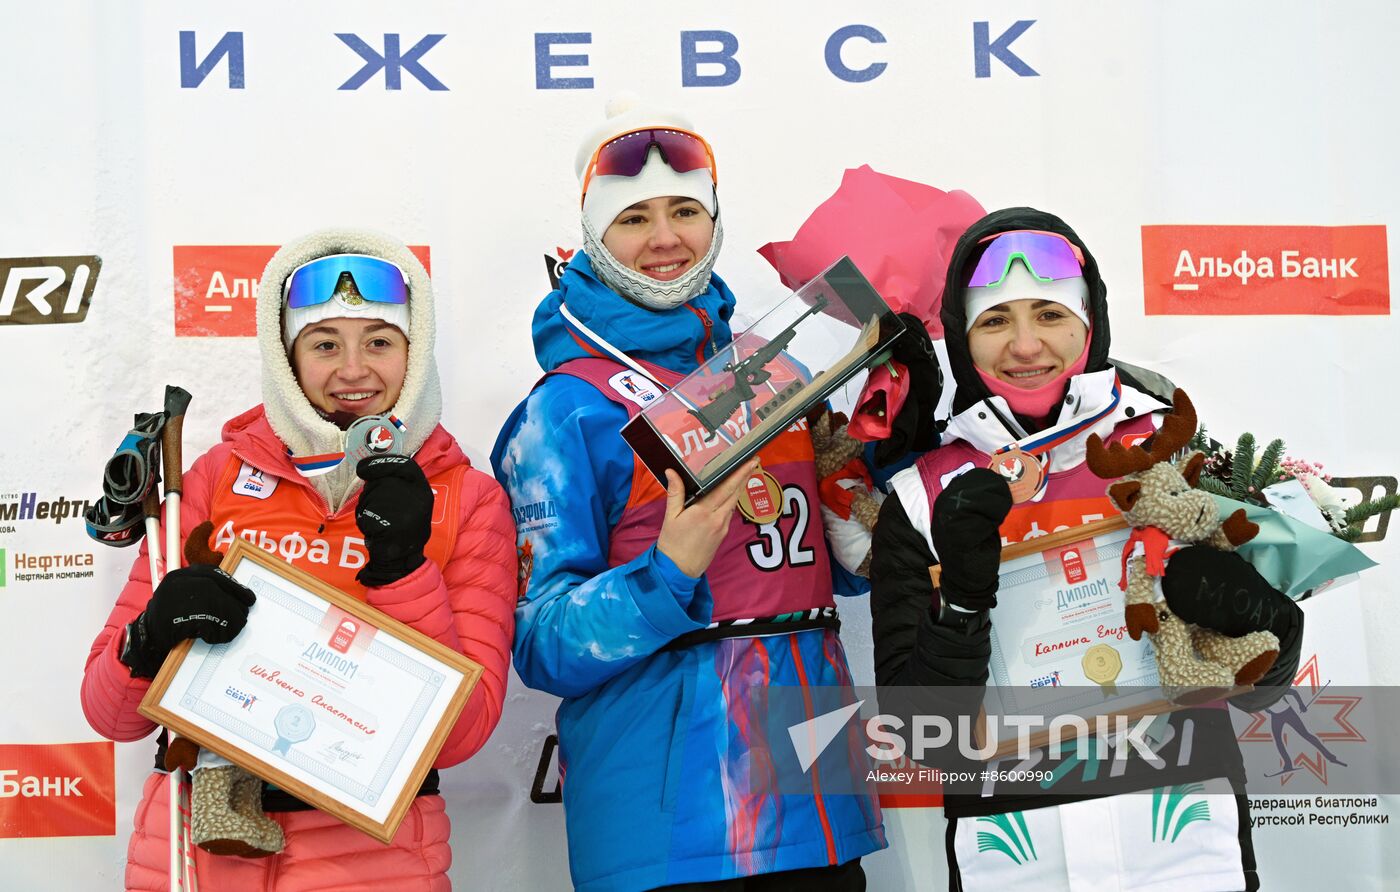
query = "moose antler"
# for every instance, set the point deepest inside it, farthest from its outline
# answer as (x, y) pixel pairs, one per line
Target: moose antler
(1116, 460)
(1177, 428)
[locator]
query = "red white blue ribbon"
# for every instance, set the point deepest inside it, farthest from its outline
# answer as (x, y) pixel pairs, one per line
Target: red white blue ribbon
(1040, 443)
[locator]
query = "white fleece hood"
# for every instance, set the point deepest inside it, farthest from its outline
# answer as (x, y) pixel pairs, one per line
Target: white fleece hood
(295, 421)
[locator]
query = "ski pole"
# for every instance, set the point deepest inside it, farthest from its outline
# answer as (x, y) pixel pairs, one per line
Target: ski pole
(177, 400)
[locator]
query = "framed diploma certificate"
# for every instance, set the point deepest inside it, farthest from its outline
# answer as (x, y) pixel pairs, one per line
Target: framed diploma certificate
(320, 694)
(1059, 641)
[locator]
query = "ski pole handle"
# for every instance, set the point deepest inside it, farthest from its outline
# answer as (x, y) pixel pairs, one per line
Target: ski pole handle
(177, 400)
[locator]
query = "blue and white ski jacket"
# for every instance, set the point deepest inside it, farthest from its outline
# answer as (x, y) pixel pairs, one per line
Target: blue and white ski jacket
(658, 745)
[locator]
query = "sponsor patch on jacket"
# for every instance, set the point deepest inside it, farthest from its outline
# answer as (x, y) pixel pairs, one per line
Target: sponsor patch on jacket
(637, 388)
(253, 483)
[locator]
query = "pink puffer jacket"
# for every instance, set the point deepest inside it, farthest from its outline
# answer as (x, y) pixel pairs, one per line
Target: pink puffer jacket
(464, 597)
(322, 854)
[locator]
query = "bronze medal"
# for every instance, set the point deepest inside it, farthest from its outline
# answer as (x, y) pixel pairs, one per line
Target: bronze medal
(1023, 473)
(761, 498)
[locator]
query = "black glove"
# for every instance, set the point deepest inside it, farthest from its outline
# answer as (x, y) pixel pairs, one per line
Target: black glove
(395, 512)
(191, 602)
(912, 429)
(967, 536)
(1222, 591)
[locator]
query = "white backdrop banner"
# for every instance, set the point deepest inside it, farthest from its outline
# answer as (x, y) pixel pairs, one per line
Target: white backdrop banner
(1223, 162)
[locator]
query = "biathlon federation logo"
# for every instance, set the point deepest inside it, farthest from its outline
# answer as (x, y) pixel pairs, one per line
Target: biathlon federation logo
(635, 388)
(253, 483)
(1302, 743)
(1051, 680)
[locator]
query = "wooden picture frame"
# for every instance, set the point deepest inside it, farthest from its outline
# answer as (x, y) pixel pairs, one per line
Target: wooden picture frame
(1063, 537)
(311, 654)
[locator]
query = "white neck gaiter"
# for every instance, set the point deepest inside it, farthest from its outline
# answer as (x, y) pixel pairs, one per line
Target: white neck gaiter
(643, 289)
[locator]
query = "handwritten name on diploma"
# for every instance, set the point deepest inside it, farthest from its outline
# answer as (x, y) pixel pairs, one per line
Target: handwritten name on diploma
(339, 713)
(275, 678)
(1077, 639)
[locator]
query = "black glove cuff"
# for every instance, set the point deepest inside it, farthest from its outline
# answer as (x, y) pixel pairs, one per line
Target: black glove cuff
(377, 574)
(975, 599)
(955, 657)
(965, 622)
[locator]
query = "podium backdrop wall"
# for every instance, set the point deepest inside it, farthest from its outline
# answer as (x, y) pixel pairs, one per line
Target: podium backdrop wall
(153, 154)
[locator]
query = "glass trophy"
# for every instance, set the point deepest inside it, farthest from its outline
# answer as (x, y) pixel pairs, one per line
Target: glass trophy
(815, 340)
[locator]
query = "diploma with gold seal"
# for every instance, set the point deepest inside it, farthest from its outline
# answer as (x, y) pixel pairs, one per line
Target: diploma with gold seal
(1059, 621)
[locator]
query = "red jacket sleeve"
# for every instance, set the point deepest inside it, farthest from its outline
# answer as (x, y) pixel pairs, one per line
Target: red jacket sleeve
(109, 694)
(468, 605)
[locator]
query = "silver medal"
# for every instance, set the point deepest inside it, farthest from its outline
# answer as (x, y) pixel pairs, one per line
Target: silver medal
(373, 435)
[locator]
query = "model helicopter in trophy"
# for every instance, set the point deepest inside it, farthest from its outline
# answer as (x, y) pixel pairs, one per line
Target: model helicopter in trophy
(751, 372)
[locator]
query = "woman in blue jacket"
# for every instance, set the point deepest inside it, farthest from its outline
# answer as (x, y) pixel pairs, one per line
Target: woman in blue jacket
(663, 627)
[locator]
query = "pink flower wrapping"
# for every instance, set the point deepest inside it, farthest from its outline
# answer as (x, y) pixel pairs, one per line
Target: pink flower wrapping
(899, 233)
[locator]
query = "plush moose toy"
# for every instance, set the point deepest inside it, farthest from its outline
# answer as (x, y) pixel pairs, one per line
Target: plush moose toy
(1160, 500)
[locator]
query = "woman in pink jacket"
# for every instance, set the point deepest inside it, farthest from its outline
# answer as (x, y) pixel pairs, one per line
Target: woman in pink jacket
(345, 327)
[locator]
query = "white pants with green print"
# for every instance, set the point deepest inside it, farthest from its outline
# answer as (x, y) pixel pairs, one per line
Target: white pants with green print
(1179, 838)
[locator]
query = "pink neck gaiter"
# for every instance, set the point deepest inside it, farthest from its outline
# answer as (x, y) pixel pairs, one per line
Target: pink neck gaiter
(1037, 403)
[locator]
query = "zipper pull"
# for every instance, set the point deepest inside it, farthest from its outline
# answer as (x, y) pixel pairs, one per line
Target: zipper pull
(709, 333)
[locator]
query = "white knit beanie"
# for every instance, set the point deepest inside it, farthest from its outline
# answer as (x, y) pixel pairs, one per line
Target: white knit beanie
(609, 196)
